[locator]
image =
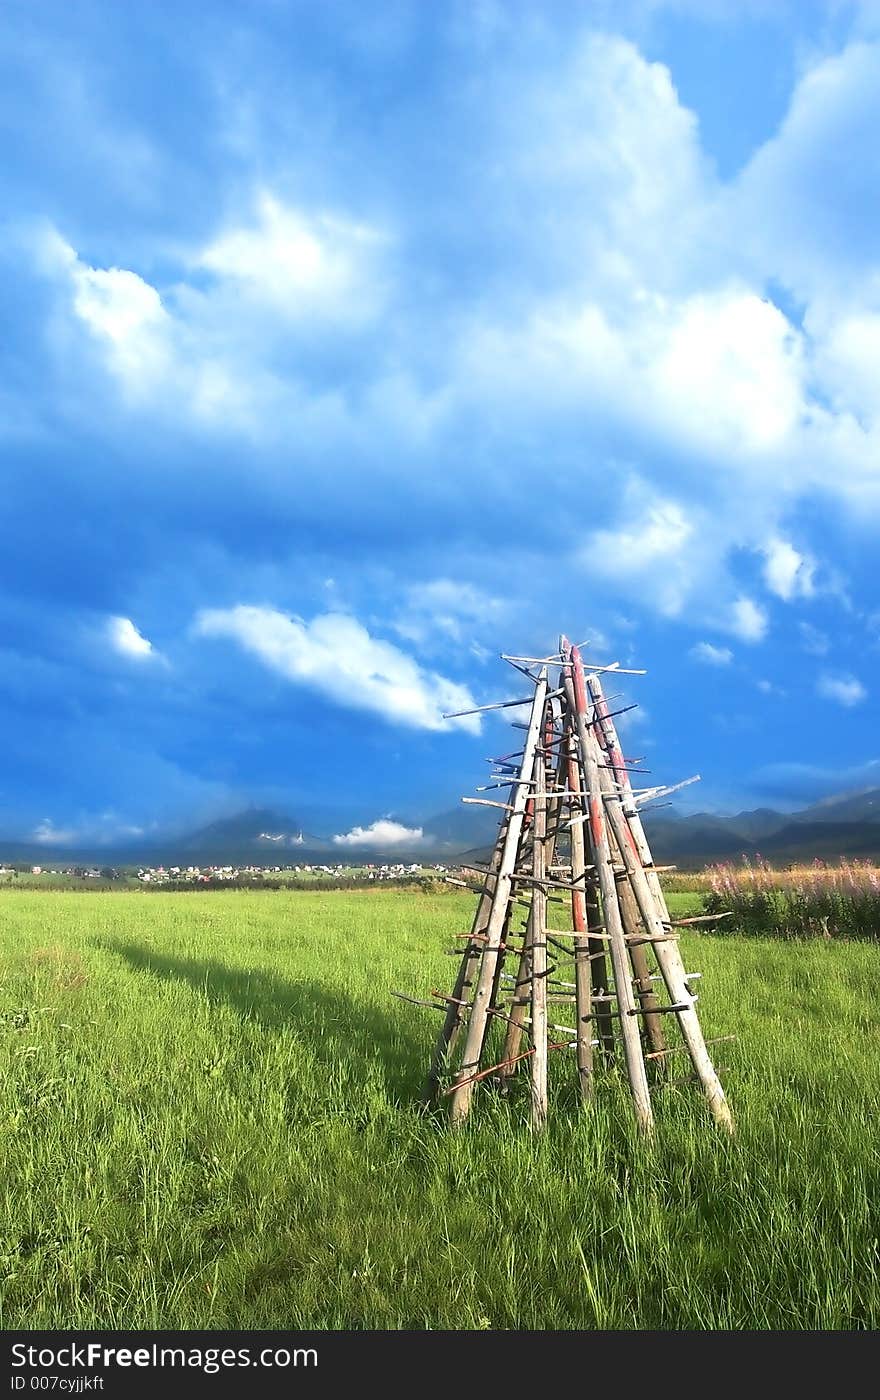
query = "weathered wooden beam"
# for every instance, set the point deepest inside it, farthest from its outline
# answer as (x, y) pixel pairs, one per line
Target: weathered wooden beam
(538, 1065)
(496, 705)
(661, 1011)
(652, 904)
(685, 1049)
(700, 919)
(486, 802)
(588, 755)
(463, 1092)
(525, 971)
(420, 1001)
(452, 1025)
(638, 957)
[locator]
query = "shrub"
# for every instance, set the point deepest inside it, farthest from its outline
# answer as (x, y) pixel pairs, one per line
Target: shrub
(817, 901)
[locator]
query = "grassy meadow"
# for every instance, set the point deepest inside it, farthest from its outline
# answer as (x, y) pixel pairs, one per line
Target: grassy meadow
(210, 1120)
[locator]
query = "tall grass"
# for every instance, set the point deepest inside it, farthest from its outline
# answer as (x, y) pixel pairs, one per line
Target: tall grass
(818, 901)
(209, 1119)
(685, 882)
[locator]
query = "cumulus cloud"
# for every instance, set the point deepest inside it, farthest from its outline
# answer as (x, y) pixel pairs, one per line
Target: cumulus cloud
(605, 138)
(159, 359)
(205, 355)
(718, 371)
(121, 313)
(843, 689)
(337, 656)
(796, 202)
(847, 353)
(126, 315)
(633, 298)
(711, 655)
(747, 620)
(384, 833)
(787, 573)
(296, 263)
(651, 547)
(125, 638)
(563, 348)
(728, 372)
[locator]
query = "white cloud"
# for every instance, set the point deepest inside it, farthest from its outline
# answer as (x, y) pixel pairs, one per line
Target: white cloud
(158, 359)
(842, 689)
(334, 654)
(125, 638)
(125, 314)
(661, 532)
(122, 313)
(728, 372)
(797, 203)
(712, 656)
(298, 263)
(787, 573)
(686, 352)
(447, 608)
(801, 218)
(626, 318)
(605, 139)
(100, 830)
(847, 354)
(46, 833)
(381, 833)
(747, 620)
(719, 370)
(650, 547)
(206, 356)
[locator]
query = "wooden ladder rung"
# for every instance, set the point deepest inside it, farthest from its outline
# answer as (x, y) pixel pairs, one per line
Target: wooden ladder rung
(652, 938)
(699, 919)
(660, 1010)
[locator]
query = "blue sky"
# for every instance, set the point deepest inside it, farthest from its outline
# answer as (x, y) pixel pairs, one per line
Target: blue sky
(346, 346)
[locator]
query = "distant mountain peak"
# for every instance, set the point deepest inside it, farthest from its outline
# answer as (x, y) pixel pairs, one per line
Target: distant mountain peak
(255, 824)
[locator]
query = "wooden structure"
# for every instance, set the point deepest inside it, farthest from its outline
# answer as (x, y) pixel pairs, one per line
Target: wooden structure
(572, 947)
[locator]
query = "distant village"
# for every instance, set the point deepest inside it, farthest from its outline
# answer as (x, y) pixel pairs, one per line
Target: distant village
(213, 874)
(159, 874)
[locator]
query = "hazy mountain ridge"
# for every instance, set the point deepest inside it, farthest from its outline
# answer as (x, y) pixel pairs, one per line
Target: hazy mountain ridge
(257, 825)
(847, 824)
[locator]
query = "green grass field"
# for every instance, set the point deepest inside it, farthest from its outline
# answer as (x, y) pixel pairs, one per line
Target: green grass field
(209, 1118)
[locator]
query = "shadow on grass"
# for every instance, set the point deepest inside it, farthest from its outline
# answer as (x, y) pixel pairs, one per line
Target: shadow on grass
(332, 1025)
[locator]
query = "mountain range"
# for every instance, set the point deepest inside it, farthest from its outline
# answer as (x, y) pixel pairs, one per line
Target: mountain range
(847, 824)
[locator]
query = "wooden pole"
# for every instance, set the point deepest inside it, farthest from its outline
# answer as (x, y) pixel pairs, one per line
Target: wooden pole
(538, 924)
(463, 1093)
(454, 1014)
(627, 824)
(599, 972)
(583, 963)
(588, 752)
(590, 960)
(523, 977)
(638, 957)
(514, 1032)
